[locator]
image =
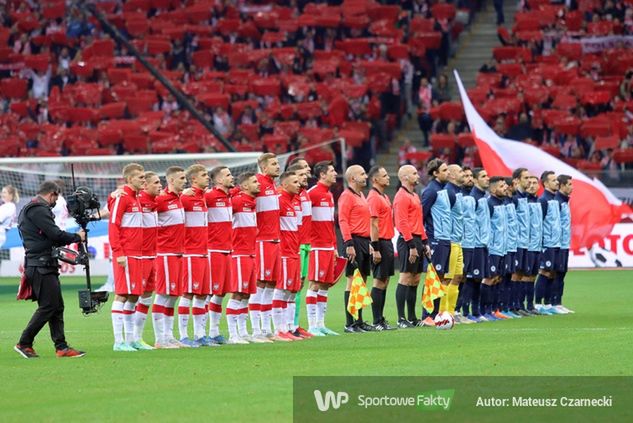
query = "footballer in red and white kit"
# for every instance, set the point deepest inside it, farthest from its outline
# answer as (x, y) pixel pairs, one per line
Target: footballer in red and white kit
(302, 169)
(243, 259)
(147, 198)
(323, 248)
(196, 284)
(170, 245)
(290, 278)
(219, 244)
(260, 304)
(125, 232)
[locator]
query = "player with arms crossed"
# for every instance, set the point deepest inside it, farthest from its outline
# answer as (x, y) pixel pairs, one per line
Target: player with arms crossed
(535, 242)
(322, 249)
(125, 232)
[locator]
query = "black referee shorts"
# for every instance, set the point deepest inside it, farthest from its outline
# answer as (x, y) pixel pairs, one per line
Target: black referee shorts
(384, 269)
(403, 255)
(363, 258)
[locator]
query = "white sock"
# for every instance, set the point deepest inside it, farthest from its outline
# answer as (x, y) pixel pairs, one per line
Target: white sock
(215, 313)
(254, 309)
(184, 307)
(279, 321)
(267, 307)
(311, 308)
(241, 319)
(205, 319)
(128, 321)
(198, 318)
(117, 321)
(140, 316)
(290, 311)
(232, 309)
(321, 307)
(169, 317)
(158, 318)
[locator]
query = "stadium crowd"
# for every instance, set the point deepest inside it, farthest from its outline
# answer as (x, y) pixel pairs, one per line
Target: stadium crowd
(271, 77)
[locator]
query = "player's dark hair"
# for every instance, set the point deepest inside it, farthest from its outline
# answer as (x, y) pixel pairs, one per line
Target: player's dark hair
(518, 172)
(433, 166)
(244, 176)
(477, 171)
(509, 181)
(285, 176)
(215, 172)
(295, 161)
(321, 168)
(47, 187)
(374, 171)
(564, 179)
(545, 175)
(496, 179)
(465, 168)
(295, 168)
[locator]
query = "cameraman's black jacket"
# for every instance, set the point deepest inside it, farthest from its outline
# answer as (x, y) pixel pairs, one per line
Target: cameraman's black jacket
(40, 234)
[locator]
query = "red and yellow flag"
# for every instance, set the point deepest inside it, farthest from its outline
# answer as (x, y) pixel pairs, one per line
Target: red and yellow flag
(433, 289)
(359, 297)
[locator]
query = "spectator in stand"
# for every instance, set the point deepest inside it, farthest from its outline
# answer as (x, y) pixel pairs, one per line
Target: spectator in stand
(626, 88)
(247, 116)
(63, 78)
(8, 210)
(425, 101)
(609, 165)
(222, 122)
(405, 149)
(442, 91)
(521, 131)
(498, 4)
(64, 59)
(40, 80)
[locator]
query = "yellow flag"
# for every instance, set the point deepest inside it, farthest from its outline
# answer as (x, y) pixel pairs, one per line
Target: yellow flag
(359, 296)
(433, 288)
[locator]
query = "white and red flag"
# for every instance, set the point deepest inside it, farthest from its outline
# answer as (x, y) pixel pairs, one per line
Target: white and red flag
(594, 209)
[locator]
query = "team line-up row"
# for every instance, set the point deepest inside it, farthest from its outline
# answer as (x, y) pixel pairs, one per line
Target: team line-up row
(257, 241)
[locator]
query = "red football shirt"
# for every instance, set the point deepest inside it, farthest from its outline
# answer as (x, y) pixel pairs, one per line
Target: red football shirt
(125, 229)
(289, 224)
(380, 207)
(267, 209)
(196, 233)
(407, 210)
(219, 219)
(150, 223)
(244, 224)
(322, 232)
(171, 223)
(353, 214)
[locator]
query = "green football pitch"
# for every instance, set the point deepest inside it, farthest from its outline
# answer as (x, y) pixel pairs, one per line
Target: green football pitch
(254, 382)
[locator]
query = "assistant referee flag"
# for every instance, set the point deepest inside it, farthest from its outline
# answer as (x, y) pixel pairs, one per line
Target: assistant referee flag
(359, 297)
(433, 288)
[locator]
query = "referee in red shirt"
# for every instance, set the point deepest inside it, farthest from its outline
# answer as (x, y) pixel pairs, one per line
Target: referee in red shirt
(412, 244)
(354, 221)
(381, 232)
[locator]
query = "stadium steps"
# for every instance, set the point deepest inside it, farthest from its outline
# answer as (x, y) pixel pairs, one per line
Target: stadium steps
(474, 49)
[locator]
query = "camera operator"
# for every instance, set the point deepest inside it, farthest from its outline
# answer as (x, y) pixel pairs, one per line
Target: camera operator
(40, 235)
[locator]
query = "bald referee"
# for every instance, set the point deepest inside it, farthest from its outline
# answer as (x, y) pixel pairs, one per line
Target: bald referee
(354, 222)
(381, 232)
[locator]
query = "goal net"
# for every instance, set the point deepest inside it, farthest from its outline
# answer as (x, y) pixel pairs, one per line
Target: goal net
(103, 173)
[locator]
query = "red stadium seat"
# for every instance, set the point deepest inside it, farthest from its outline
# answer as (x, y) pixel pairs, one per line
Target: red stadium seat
(595, 128)
(623, 156)
(418, 156)
(603, 143)
(441, 141)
